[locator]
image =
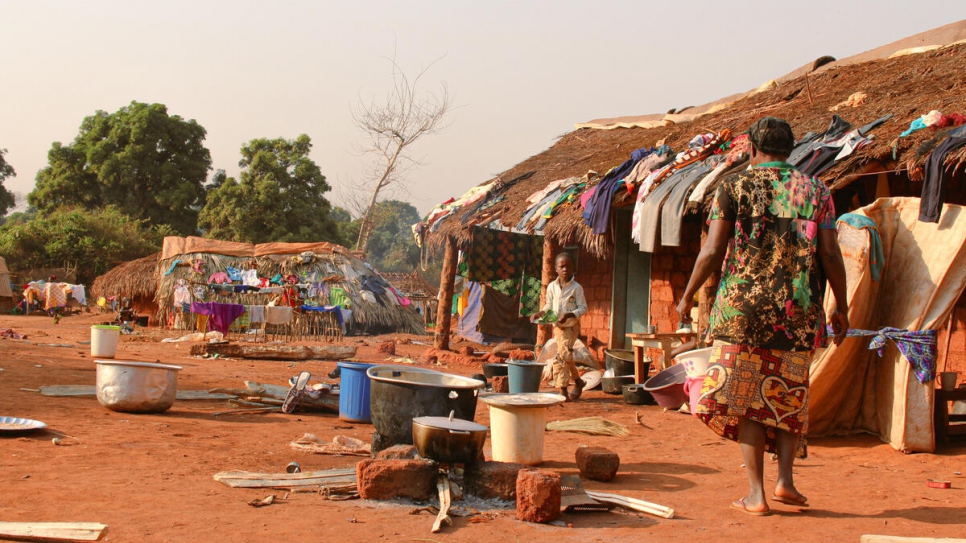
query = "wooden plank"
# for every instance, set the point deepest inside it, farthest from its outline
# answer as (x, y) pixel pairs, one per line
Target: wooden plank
(276, 352)
(91, 390)
(248, 479)
(442, 485)
(872, 538)
(53, 531)
(633, 503)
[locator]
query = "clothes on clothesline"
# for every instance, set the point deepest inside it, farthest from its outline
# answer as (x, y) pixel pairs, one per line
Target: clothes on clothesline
(220, 315)
(278, 314)
(496, 254)
(876, 257)
(918, 346)
(597, 212)
(937, 176)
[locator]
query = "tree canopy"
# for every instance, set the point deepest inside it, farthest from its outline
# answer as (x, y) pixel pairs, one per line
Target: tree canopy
(7, 200)
(93, 241)
(148, 164)
(279, 197)
(391, 246)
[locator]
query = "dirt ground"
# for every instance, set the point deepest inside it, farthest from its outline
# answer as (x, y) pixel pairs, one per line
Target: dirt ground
(149, 477)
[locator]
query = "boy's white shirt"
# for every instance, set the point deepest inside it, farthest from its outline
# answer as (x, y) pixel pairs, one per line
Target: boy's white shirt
(564, 299)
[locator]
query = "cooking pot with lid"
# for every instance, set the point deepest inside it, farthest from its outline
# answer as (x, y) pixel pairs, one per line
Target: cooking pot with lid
(449, 440)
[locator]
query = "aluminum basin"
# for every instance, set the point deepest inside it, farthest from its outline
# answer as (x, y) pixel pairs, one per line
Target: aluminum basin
(136, 387)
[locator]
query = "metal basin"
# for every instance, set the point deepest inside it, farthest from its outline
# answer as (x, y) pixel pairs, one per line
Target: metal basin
(398, 394)
(136, 387)
(449, 440)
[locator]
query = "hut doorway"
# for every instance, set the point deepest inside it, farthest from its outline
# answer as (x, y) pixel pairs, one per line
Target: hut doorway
(631, 288)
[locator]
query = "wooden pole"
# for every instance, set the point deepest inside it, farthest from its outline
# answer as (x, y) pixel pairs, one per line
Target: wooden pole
(444, 309)
(548, 274)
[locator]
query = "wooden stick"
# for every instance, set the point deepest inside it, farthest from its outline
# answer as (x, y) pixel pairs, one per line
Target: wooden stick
(633, 503)
(808, 88)
(53, 531)
(442, 484)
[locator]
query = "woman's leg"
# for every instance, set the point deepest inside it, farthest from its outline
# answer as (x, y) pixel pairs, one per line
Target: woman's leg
(787, 447)
(751, 436)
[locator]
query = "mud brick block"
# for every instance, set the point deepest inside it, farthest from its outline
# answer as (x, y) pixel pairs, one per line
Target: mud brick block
(398, 452)
(597, 463)
(501, 384)
(387, 347)
(492, 480)
(538, 495)
(388, 479)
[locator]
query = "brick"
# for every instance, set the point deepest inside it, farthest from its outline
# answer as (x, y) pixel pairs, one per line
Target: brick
(387, 347)
(501, 384)
(492, 480)
(398, 452)
(389, 479)
(597, 463)
(538, 495)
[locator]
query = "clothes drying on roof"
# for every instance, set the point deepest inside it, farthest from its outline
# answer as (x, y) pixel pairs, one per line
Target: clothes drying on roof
(690, 156)
(650, 216)
(597, 213)
(661, 156)
(672, 212)
(876, 257)
(218, 278)
(927, 120)
(811, 141)
(937, 175)
(825, 154)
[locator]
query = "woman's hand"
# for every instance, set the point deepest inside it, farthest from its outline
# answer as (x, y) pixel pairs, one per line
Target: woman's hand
(840, 326)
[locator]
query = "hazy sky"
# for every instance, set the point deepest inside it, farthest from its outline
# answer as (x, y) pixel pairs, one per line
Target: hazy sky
(520, 73)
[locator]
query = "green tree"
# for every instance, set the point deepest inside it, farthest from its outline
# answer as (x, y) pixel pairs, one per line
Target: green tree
(391, 246)
(280, 197)
(7, 200)
(92, 240)
(148, 164)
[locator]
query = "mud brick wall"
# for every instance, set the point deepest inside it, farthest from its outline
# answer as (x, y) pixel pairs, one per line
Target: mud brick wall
(670, 270)
(596, 276)
(952, 342)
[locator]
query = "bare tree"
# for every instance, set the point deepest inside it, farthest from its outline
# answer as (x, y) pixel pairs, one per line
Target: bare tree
(405, 116)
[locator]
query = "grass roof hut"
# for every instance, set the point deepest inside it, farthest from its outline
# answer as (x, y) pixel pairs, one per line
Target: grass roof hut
(134, 280)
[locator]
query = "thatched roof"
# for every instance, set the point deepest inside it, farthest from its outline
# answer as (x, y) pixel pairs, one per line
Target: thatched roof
(906, 87)
(413, 285)
(131, 279)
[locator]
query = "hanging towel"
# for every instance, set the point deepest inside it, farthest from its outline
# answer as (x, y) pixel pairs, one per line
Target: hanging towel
(876, 258)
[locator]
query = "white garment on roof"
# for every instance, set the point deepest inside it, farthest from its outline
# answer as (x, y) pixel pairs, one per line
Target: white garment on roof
(567, 298)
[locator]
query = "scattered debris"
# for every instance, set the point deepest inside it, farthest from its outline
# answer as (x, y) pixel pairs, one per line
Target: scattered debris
(597, 426)
(573, 498)
(938, 483)
(53, 531)
(633, 504)
(442, 485)
(341, 478)
(262, 395)
(91, 390)
(340, 445)
(267, 500)
(293, 467)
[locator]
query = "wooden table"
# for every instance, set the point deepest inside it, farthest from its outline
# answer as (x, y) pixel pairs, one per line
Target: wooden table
(655, 341)
(942, 418)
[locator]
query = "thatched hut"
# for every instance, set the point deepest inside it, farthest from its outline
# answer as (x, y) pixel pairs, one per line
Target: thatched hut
(194, 260)
(423, 293)
(134, 280)
(627, 288)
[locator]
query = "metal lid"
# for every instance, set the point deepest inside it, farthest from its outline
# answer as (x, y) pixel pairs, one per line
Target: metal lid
(534, 399)
(447, 423)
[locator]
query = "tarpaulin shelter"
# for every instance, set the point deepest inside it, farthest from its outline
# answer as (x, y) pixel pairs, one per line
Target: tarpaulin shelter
(852, 388)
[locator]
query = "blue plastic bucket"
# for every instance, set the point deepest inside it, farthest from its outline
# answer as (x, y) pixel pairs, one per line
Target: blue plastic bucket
(524, 376)
(354, 392)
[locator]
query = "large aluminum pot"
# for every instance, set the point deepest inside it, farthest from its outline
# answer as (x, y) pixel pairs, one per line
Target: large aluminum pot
(136, 387)
(448, 440)
(398, 394)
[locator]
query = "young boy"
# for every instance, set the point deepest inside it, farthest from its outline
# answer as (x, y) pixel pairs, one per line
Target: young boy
(566, 298)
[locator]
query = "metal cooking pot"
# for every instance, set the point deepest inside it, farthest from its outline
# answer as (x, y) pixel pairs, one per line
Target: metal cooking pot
(399, 394)
(136, 387)
(448, 440)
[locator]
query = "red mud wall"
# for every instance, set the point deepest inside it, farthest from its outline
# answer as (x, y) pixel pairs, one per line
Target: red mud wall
(952, 342)
(670, 270)
(596, 276)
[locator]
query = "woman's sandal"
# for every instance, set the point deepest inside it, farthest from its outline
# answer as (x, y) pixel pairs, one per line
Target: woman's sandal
(797, 501)
(739, 505)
